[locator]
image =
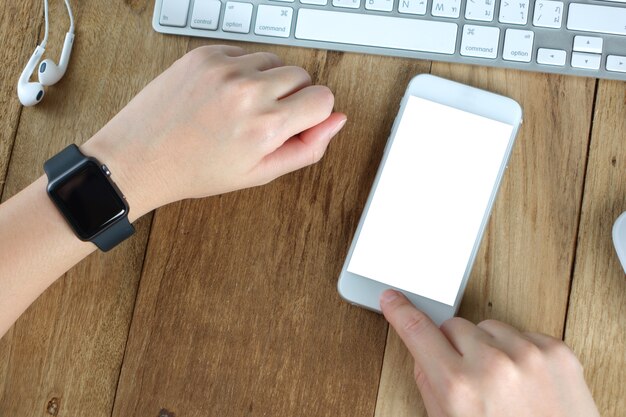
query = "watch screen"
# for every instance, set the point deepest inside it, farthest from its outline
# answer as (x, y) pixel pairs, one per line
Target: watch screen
(88, 200)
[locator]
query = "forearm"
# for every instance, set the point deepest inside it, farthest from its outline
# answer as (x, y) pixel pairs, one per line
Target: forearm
(36, 247)
(170, 143)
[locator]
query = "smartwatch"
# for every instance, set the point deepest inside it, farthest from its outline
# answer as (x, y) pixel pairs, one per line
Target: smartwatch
(81, 188)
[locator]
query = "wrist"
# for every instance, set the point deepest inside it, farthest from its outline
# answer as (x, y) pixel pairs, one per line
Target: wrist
(127, 172)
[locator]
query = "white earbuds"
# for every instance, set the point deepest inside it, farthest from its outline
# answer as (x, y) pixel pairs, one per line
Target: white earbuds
(31, 93)
(49, 72)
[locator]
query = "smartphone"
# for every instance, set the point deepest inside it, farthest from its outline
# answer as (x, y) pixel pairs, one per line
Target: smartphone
(430, 202)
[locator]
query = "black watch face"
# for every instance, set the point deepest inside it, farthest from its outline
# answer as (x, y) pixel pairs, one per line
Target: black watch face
(88, 200)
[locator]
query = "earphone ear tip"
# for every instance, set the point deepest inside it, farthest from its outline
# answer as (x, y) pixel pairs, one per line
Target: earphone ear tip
(30, 94)
(49, 72)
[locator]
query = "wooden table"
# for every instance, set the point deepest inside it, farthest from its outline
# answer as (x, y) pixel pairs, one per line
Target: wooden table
(227, 306)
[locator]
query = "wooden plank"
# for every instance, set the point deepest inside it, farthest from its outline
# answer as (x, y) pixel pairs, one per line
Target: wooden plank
(66, 351)
(596, 320)
(522, 272)
(237, 312)
(16, 23)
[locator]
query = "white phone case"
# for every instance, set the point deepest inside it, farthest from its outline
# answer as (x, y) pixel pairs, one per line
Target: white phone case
(366, 292)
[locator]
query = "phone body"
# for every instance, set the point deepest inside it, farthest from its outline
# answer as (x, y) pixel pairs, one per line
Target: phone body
(432, 196)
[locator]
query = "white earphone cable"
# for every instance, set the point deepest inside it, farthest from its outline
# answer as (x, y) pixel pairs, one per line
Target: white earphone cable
(45, 12)
(69, 12)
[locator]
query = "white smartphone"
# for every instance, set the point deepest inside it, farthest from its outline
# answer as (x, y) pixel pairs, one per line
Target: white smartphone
(432, 196)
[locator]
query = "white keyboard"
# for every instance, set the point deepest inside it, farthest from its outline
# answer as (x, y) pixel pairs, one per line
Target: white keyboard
(582, 37)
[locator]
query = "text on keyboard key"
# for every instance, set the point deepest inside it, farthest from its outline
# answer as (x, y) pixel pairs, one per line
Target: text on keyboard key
(548, 14)
(237, 17)
(514, 11)
(547, 56)
(518, 45)
(481, 10)
(588, 44)
(586, 61)
(412, 7)
(446, 8)
(599, 19)
(174, 13)
(480, 41)
(616, 63)
(273, 21)
(206, 14)
(377, 31)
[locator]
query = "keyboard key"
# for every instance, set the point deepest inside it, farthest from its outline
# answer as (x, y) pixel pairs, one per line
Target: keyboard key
(286, 1)
(546, 56)
(376, 31)
(518, 45)
(316, 2)
(174, 13)
(412, 6)
(351, 4)
(548, 14)
(480, 10)
(237, 17)
(446, 8)
(514, 12)
(206, 14)
(588, 44)
(273, 21)
(480, 41)
(616, 63)
(599, 19)
(586, 61)
(379, 5)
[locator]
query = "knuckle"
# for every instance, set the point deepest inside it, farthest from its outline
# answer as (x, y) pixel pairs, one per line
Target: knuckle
(201, 54)
(303, 74)
(326, 96)
(564, 356)
(488, 324)
(498, 365)
(270, 57)
(530, 355)
(415, 323)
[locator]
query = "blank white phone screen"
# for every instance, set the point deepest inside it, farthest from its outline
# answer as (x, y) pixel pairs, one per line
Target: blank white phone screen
(430, 201)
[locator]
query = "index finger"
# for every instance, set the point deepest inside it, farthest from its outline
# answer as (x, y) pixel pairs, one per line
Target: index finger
(432, 351)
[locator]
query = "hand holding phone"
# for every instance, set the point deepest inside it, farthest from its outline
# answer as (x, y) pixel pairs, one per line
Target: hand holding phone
(430, 202)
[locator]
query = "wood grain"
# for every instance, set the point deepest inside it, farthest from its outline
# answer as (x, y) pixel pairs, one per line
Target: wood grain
(522, 271)
(596, 323)
(65, 352)
(237, 312)
(16, 24)
(19, 23)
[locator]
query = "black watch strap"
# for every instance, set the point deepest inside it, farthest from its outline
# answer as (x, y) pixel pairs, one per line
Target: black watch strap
(62, 162)
(67, 160)
(114, 235)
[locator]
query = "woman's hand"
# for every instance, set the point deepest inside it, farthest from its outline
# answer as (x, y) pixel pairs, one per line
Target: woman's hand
(217, 120)
(489, 369)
